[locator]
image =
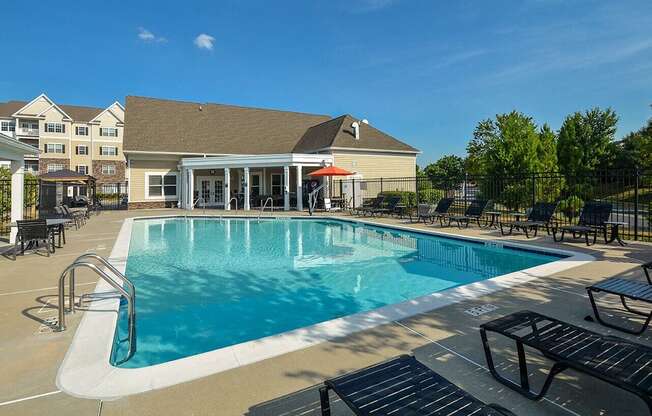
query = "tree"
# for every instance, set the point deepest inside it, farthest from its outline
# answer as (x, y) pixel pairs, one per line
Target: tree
(446, 172)
(506, 150)
(635, 150)
(585, 141)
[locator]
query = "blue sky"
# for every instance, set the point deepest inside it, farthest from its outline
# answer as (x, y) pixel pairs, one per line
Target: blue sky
(424, 71)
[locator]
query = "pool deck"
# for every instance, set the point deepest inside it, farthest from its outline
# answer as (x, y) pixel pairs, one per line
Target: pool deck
(446, 339)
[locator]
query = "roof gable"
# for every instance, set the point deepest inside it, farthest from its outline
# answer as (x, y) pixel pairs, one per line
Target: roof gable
(35, 107)
(116, 110)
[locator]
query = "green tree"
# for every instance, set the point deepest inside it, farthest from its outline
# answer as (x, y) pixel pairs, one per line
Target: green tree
(507, 151)
(585, 141)
(635, 150)
(447, 171)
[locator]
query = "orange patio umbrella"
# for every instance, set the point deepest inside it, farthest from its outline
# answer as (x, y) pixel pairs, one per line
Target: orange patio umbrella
(331, 171)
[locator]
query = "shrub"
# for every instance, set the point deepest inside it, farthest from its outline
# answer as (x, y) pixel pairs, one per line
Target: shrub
(571, 206)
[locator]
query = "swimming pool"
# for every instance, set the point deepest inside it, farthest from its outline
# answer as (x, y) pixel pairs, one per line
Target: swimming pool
(205, 284)
(217, 293)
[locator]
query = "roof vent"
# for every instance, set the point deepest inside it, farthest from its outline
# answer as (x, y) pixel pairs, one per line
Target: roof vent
(356, 129)
(365, 121)
(201, 108)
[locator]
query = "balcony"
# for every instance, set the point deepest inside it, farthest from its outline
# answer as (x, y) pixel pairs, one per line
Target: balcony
(27, 131)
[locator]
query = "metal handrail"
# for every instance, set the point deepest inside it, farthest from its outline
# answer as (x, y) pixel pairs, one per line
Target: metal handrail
(236, 202)
(201, 198)
(130, 296)
(262, 208)
(312, 198)
(105, 263)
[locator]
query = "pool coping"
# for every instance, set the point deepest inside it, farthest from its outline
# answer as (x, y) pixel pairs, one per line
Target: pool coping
(86, 371)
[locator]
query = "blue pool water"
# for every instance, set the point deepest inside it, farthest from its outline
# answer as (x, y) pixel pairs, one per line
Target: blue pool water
(204, 284)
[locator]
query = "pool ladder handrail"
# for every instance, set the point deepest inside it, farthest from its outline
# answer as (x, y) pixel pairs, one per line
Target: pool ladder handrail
(201, 198)
(271, 206)
(129, 295)
(236, 202)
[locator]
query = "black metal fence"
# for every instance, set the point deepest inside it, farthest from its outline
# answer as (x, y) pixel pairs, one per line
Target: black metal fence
(112, 195)
(629, 191)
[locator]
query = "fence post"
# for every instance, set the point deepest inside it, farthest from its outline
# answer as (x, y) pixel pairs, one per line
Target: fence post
(636, 205)
(416, 190)
(353, 188)
(466, 183)
(534, 189)
(381, 185)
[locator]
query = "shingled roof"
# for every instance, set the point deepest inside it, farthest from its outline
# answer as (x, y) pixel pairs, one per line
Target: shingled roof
(187, 127)
(76, 112)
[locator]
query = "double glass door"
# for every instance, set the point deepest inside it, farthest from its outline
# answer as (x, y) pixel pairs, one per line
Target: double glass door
(211, 190)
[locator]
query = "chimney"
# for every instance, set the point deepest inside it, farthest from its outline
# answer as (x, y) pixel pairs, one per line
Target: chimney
(356, 129)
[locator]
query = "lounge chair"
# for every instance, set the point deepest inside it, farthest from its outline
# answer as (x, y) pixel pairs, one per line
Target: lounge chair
(540, 216)
(79, 215)
(424, 213)
(32, 232)
(592, 220)
(388, 209)
(60, 213)
(376, 203)
(403, 386)
(617, 361)
(625, 289)
(441, 210)
(473, 213)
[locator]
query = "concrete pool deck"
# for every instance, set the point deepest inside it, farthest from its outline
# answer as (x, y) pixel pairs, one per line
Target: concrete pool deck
(446, 339)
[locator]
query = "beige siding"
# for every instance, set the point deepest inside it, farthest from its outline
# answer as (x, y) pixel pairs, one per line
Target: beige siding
(137, 176)
(64, 140)
(377, 165)
(76, 159)
(36, 107)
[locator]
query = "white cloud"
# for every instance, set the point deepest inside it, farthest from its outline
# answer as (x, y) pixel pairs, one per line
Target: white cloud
(147, 36)
(204, 41)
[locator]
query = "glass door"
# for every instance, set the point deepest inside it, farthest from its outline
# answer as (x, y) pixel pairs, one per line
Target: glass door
(205, 191)
(218, 186)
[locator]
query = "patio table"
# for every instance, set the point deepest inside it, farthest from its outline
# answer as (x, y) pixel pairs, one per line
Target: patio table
(54, 223)
(615, 232)
(495, 219)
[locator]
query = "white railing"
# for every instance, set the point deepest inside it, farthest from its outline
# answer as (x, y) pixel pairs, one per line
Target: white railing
(27, 131)
(263, 206)
(236, 202)
(312, 198)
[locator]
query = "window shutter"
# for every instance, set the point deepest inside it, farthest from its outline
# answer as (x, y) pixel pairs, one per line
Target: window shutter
(45, 148)
(101, 149)
(63, 128)
(76, 150)
(63, 148)
(101, 129)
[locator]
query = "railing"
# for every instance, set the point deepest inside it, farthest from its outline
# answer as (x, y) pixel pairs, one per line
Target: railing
(312, 198)
(236, 202)
(201, 198)
(85, 261)
(27, 131)
(263, 206)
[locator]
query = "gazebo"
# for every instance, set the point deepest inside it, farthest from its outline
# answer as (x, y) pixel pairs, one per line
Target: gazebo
(15, 151)
(62, 187)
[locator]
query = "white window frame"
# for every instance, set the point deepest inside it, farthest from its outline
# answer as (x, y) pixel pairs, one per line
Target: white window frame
(85, 169)
(7, 125)
(78, 128)
(48, 169)
(108, 173)
(163, 197)
(108, 132)
(271, 187)
(54, 148)
(53, 127)
(104, 153)
(81, 146)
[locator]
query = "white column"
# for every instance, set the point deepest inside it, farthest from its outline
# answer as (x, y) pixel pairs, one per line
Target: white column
(286, 188)
(246, 189)
(299, 189)
(227, 189)
(181, 187)
(17, 187)
(191, 188)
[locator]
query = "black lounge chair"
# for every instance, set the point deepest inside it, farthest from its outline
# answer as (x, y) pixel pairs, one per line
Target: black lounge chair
(403, 386)
(473, 213)
(617, 361)
(540, 216)
(30, 234)
(388, 209)
(441, 211)
(376, 203)
(625, 289)
(592, 220)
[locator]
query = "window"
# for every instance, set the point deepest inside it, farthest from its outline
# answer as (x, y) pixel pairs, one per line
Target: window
(81, 131)
(29, 125)
(81, 150)
(255, 184)
(108, 151)
(108, 169)
(277, 184)
(83, 169)
(161, 185)
(55, 148)
(31, 166)
(53, 167)
(8, 126)
(108, 131)
(55, 128)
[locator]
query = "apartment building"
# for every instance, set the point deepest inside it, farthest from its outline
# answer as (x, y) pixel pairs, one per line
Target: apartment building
(84, 139)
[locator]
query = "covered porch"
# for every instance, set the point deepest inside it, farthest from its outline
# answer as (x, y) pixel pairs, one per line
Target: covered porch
(250, 181)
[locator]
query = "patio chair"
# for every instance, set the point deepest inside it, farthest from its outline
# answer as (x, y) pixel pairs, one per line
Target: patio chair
(441, 210)
(60, 213)
(402, 386)
(625, 289)
(30, 233)
(540, 216)
(389, 208)
(374, 204)
(592, 220)
(424, 213)
(615, 360)
(473, 213)
(75, 215)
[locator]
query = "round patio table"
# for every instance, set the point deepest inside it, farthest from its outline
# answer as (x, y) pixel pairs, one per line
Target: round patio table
(495, 219)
